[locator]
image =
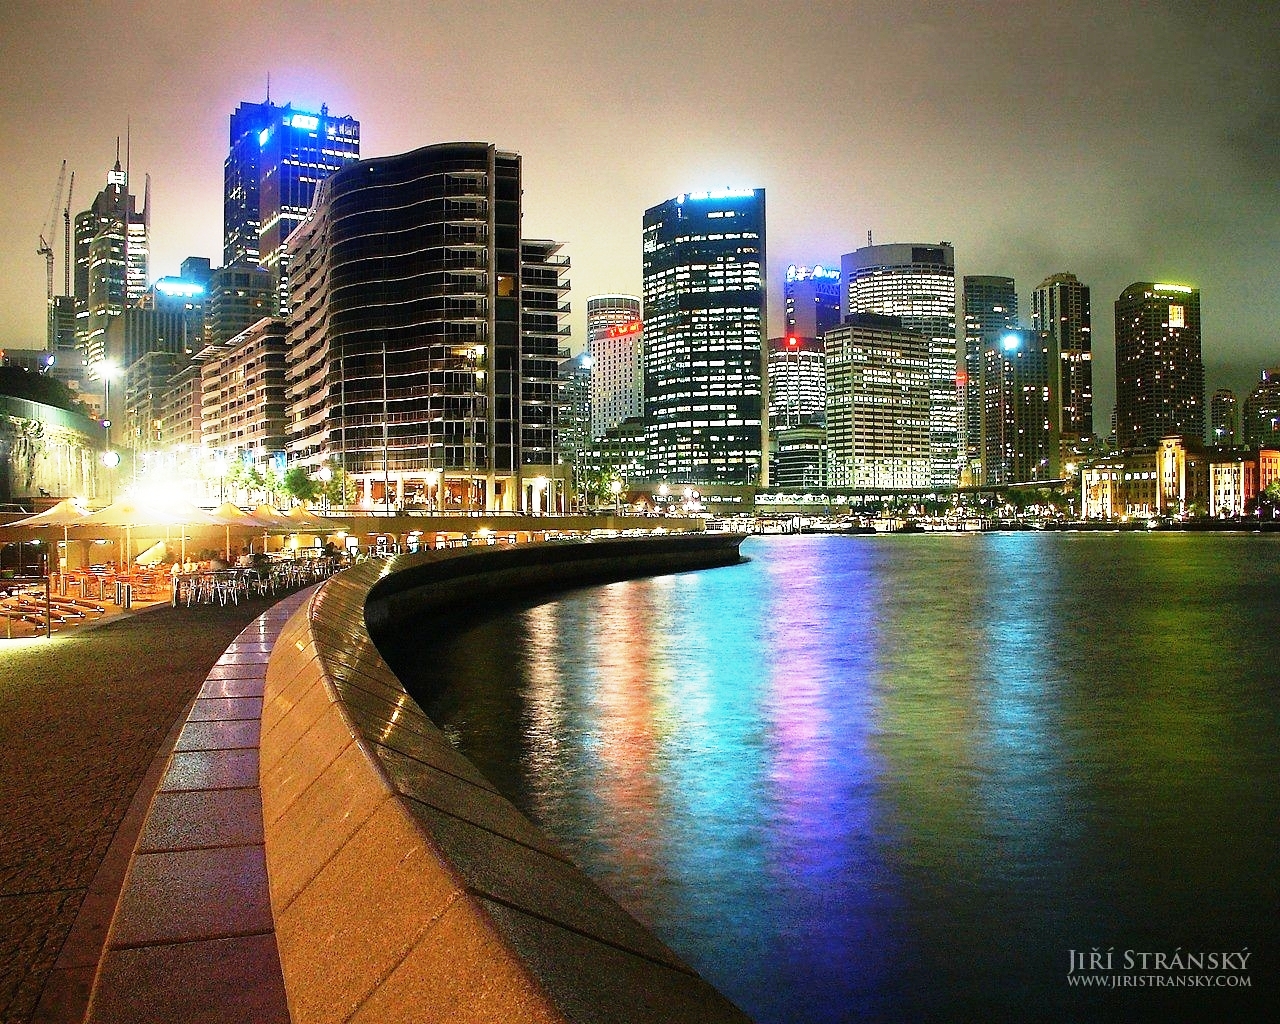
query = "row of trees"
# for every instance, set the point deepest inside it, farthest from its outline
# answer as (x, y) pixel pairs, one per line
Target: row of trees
(295, 484)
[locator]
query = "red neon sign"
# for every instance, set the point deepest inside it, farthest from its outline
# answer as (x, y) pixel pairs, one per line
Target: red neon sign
(622, 330)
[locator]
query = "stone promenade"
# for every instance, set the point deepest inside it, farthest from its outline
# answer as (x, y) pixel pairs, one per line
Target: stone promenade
(82, 716)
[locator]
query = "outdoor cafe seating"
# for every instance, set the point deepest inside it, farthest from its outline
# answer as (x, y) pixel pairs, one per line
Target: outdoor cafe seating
(231, 586)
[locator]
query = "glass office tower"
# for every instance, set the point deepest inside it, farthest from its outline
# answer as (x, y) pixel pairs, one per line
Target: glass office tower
(704, 327)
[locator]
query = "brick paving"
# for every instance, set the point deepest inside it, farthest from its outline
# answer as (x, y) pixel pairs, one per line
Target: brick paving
(82, 716)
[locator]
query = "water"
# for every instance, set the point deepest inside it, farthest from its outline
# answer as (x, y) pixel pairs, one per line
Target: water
(901, 778)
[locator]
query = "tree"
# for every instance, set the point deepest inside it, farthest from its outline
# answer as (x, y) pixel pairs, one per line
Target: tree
(300, 485)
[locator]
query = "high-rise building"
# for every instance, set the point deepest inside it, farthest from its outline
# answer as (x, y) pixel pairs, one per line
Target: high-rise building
(812, 298)
(406, 329)
(916, 283)
(615, 343)
(878, 404)
(1224, 417)
(1060, 307)
(278, 156)
(1019, 428)
(543, 286)
(242, 386)
(797, 382)
(573, 437)
(1260, 421)
(704, 324)
(112, 251)
(990, 309)
(1159, 371)
(238, 296)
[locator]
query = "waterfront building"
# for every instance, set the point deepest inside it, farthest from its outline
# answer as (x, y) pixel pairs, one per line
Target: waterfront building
(242, 388)
(800, 464)
(812, 299)
(544, 284)
(277, 158)
(917, 284)
(1159, 370)
(1260, 421)
(1060, 308)
(408, 378)
(1170, 478)
(239, 295)
(1019, 428)
(180, 409)
(1236, 477)
(704, 324)
(1224, 417)
(146, 384)
(615, 345)
(618, 455)
(990, 309)
(574, 403)
(878, 387)
(797, 382)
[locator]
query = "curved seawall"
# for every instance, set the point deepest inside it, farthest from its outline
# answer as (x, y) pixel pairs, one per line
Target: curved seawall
(403, 885)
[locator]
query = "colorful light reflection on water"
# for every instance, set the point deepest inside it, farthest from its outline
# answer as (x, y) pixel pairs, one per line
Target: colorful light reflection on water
(899, 778)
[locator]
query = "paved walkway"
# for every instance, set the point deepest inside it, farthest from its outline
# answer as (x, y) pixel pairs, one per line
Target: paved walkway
(82, 716)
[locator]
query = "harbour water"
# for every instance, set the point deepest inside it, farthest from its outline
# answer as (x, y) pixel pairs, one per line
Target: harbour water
(913, 778)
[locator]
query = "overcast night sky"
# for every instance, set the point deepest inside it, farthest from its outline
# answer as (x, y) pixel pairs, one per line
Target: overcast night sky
(1118, 142)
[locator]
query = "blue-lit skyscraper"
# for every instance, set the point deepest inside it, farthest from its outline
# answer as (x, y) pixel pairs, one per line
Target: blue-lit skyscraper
(278, 157)
(812, 297)
(704, 325)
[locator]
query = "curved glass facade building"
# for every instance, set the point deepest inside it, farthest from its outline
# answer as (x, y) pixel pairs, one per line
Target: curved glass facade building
(407, 367)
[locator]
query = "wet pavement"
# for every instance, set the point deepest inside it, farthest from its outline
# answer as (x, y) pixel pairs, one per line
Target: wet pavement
(82, 717)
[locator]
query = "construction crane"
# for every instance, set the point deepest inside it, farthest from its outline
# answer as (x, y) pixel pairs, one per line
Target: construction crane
(66, 237)
(50, 227)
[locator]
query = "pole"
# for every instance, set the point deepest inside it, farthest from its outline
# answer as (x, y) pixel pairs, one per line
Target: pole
(386, 476)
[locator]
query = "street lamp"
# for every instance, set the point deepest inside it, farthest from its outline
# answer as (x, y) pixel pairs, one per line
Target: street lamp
(325, 475)
(110, 458)
(615, 489)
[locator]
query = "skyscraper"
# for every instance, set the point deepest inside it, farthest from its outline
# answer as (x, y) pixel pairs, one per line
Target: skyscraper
(573, 435)
(112, 251)
(1060, 308)
(797, 382)
(1260, 421)
(1224, 417)
(238, 296)
(916, 283)
(1159, 372)
(704, 323)
(812, 298)
(407, 328)
(877, 403)
(277, 158)
(990, 310)
(1019, 429)
(543, 286)
(615, 343)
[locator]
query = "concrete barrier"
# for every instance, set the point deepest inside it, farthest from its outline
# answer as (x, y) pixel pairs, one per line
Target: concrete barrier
(404, 887)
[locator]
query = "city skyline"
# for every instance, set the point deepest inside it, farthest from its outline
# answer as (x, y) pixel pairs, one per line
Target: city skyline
(1119, 166)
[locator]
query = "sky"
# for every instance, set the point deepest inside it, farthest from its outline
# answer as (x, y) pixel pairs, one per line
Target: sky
(1119, 142)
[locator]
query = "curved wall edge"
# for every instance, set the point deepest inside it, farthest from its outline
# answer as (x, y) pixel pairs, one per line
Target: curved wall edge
(403, 885)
